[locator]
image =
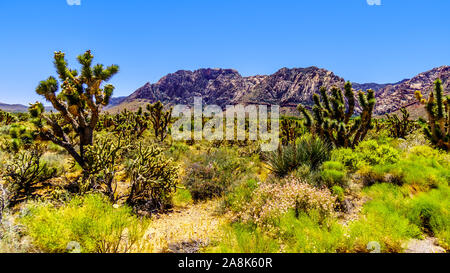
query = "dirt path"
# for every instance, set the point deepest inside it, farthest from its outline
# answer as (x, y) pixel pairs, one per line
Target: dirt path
(185, 230)
(427, 245)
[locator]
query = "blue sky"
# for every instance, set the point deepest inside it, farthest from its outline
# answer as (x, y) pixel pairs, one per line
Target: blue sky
(149, 39)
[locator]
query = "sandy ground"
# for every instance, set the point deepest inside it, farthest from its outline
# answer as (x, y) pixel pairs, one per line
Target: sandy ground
(185, 230)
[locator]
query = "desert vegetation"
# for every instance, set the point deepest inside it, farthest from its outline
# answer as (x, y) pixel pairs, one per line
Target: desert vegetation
(80, 179)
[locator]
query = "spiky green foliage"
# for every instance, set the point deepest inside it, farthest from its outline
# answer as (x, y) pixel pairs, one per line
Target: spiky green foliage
(104, 158)
(332, 122)
(7, 118)
(153, 179)
(126, 124)
(309, 151)
(400, 127)
(25, 174)
(160, 119)
(78, 104)
(438, 112)
(22, 137)
(290, 129)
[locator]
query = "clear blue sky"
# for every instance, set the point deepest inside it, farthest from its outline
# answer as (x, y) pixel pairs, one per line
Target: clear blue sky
(149, 39)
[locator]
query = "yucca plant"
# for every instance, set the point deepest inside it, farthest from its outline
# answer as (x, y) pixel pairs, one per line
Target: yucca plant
(308, 150)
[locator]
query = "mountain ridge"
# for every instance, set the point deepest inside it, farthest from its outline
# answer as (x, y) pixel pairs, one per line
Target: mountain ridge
(286, 87)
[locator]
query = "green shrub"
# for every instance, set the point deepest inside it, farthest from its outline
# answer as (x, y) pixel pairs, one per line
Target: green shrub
(177, 150)
(308, 150)
(90, 221)
(241, 195)
(367, 153)
(431, 212)
(333, 173)
(420, 172)
(383, 221)
(302, 234)
(338, 192)
(244, 238)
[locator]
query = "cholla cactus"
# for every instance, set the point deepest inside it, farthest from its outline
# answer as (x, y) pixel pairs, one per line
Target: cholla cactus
(78, 104)
(6, 118)
(332, 122)
(126, 124)
(438, 112)
(160, 119)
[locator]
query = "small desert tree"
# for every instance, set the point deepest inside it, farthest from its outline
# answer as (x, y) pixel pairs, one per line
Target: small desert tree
(78, 104)
(160, 119)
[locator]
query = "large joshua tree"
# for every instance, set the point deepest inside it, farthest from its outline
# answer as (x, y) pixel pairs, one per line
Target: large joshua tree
(332, 122)
(78, 104)
(438, 112)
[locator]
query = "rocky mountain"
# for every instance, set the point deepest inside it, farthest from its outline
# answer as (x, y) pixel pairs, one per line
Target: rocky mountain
(393, 97)
(286, 87)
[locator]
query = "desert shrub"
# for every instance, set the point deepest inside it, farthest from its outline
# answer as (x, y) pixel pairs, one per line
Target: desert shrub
(153, 179)
(431, 212)
(241, 195)
(303, 234)
(271, 200)
(333, 173)
(383, 221)
(212, 174)
(25, 173)
(308, 150)
(367, 153)
(177, 150)
(21, 137)
(90, 221)
(243, 238)
(182, 197)
(338, 192)
(420, 172)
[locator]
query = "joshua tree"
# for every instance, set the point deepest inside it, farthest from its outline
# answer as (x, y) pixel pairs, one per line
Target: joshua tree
(333, 123)
(290, 130)
(160, 119)
(78, 104)
(6, 118)
(400, 128)
(438, 112)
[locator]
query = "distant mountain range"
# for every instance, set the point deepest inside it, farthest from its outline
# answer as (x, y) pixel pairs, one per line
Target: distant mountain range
(286, 87)
(18, 108)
